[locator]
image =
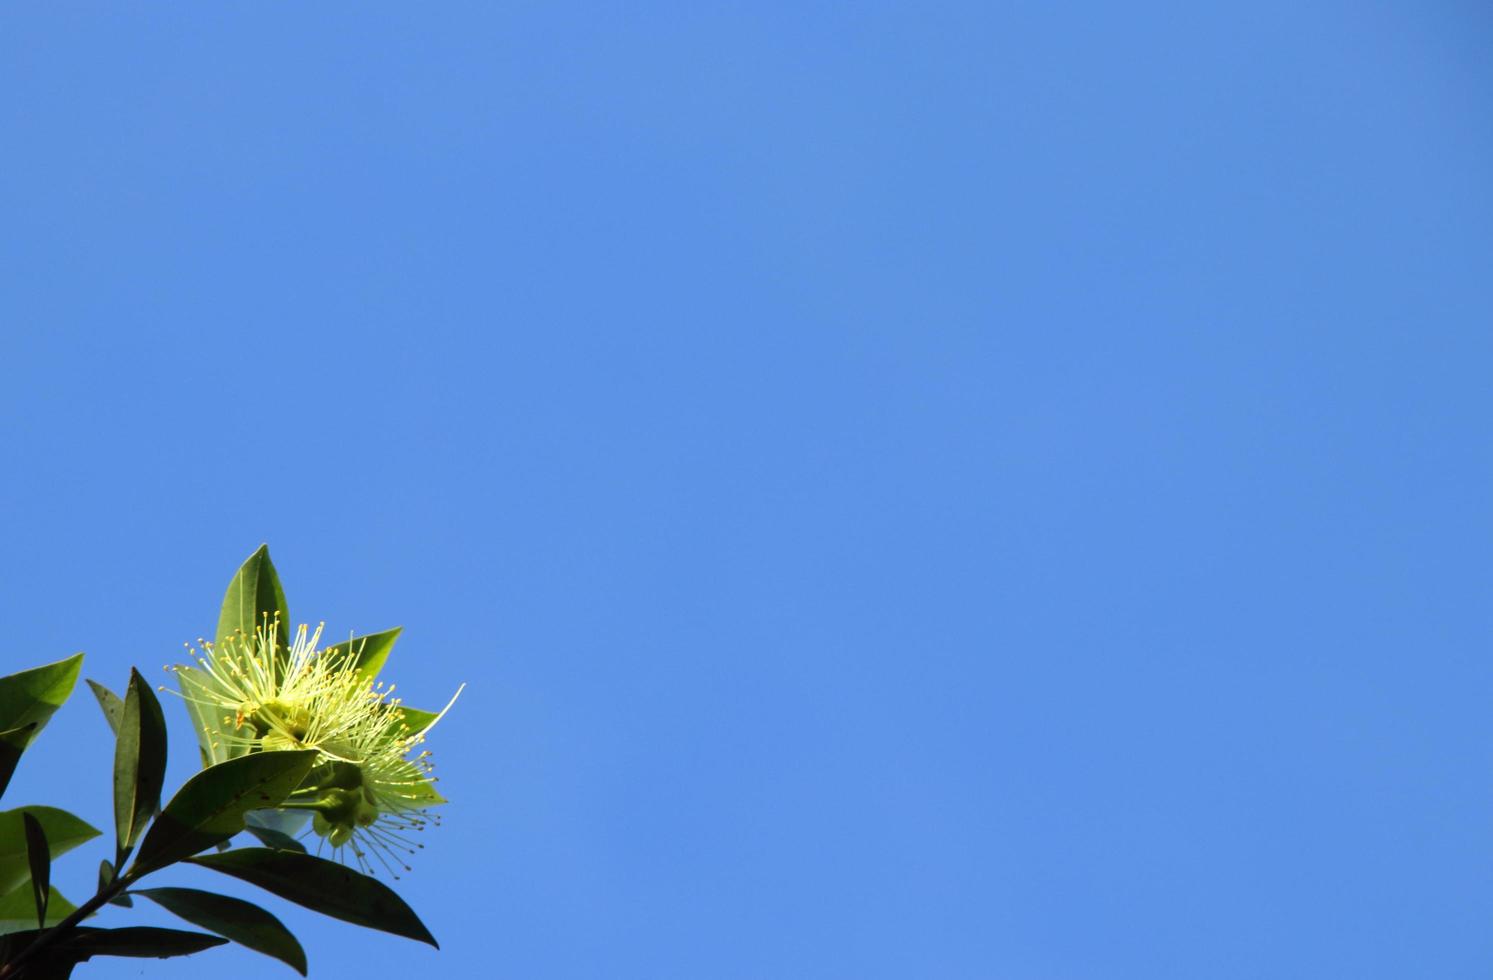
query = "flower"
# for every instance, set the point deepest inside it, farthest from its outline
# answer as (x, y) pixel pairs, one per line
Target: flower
(366, 794)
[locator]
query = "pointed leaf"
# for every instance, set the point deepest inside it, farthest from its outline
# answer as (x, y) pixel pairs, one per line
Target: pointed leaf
(369, 651)
(110, 702)
(39, 856)
(18, 909)
(278, 828)
(64, 832)
(244, 922)
(288, 822)
(139, 762)
(134, 941)
(323, 886)
(254, 597)
(418, 720)
(85, 942)
(106, 874)
(12, 744)
(208, 724)
(270, 837)
(33, 695)
(211, 806)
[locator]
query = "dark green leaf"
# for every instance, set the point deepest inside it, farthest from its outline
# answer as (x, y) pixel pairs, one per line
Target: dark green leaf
(12, 943)
(44, 967)
(39, 856)
(134, 941)
(64, 832)
(244, 922)
(18, 909)
(323, 886)
(112, 704)
(12, 744)
(50, 968)
(254, 598)
(85, 942)
(105, 875)
(58, 959)
(369, 651)
(139, 762)
(33, 695)
(210, 808)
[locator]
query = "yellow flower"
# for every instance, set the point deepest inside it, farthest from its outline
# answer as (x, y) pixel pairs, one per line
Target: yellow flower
(368, 794)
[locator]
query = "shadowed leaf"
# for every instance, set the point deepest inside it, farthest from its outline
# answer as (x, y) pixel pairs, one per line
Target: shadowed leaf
(210, 808)
(323, 886)
(243, 922)
(39, 856)
(86, 942)
(12, 744)
(106, 875)
(148, 941)
(139, 762)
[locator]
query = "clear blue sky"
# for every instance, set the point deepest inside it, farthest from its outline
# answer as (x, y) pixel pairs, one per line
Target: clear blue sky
(914, 490)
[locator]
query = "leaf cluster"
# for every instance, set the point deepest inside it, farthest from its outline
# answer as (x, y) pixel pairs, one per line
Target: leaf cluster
(42, 934)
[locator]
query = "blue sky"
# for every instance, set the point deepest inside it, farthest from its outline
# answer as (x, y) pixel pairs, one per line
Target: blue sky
(955, 490)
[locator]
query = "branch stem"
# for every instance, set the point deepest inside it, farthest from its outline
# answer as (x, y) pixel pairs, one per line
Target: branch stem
(50, 936)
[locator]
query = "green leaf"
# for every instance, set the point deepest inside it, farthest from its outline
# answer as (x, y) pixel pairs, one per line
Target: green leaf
(369, 651)
(211, 806)
(288, 822)
(106, 872)
(112, 704)
(253, 595)
(64, 832)
(277, 828)
(243, 922)
(58, 959)
(39, 856)
(18, 909)
(139, 762)
(33, 695)
(270, 837)
(208, 724)
(12, 744)
(322, 886)
(418, 720)
(134, 941)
